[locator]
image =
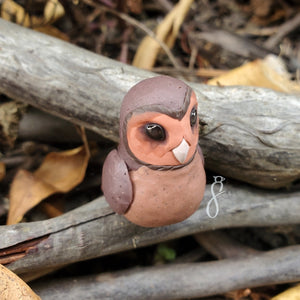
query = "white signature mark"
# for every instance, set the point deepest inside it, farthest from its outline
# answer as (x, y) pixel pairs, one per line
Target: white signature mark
(218, 180)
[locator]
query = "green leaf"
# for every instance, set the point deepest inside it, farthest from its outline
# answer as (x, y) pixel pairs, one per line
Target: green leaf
(165, 253)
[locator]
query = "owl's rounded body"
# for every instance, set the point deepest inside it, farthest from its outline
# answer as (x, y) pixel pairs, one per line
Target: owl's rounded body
(166, 197)
(156, 176)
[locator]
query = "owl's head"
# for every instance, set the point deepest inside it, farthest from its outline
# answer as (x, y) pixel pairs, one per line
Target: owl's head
(159, 123)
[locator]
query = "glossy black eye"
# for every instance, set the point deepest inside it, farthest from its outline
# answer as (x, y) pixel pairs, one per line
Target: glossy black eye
(193, 117)
(155, 131)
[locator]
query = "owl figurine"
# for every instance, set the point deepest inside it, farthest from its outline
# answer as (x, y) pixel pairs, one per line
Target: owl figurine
(156, 176)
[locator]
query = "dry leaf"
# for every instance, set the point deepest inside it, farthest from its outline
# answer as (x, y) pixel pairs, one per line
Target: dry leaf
(10, 114)
(2, 170)
(166, 31)
(59, 173)
(26, 192)
(53, 10)
(13, 288)
(269, 73)
(290, 294)
(53, 31)
(64, 170)
(53, 207)
(12, 11)
(134, 6)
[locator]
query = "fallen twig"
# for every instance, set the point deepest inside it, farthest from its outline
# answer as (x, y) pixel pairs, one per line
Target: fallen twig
(231, 42)
(180, 281)
(282, 31)
(222, 246)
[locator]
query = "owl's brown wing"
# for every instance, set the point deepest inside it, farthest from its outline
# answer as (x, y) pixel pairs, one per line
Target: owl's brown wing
(116, 184)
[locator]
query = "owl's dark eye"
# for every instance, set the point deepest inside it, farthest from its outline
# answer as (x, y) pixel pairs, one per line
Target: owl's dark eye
(155, 131)
(193, 117)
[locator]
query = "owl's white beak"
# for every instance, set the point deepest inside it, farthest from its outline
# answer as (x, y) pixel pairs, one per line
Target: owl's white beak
(181, 151)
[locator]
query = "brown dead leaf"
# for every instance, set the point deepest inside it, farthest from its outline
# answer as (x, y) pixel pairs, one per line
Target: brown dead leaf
(53, 11)
(166, 31)
(11, 11)
(238, 294)
(290, 294)
(26, 192)
(52, 207)
(264, 13)
(13, 288)
(64, 170)
(269, 73)
(10, 114)
(59, 173)
(134, 6)
(53, 31)
(2, 170)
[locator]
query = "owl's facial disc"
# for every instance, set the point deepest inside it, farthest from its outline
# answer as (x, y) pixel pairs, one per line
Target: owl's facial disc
(158, 139)
(181, 151)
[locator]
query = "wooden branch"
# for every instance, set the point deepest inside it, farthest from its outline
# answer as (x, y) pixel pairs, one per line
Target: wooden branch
(93, 230)
(180, 281)
(282, 31)
(221, 245)
(37, 125)
(250, 134)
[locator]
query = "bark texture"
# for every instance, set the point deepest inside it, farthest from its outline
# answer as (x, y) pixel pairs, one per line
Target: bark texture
(181, 281)
(93, 230)
(251, 134)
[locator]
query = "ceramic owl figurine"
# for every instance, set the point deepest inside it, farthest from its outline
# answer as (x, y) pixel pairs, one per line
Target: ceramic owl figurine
(156, 176)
